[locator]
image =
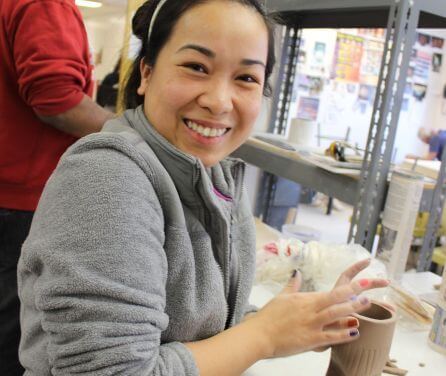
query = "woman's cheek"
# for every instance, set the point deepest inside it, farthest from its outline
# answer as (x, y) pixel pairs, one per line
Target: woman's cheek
(177, 93)
(252, 108)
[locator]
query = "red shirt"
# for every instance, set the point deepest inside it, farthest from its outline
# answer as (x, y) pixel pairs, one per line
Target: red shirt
(44, 69)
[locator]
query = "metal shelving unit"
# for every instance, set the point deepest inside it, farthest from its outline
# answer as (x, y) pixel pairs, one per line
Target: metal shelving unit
(288, 165)
(276, 161)
(401, 19)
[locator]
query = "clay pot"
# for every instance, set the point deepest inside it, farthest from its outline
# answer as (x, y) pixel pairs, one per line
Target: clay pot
(366, 356)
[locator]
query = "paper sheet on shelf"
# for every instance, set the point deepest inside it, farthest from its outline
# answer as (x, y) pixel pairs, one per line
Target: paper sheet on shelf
(329, 166)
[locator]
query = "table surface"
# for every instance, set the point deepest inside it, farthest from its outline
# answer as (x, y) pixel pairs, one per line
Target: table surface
(409, 348)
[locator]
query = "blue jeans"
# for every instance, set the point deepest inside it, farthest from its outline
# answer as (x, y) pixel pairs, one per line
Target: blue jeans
(14, 228)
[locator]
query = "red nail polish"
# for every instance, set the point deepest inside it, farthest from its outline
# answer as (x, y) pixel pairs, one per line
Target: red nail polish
(364, 282)
(351, 323)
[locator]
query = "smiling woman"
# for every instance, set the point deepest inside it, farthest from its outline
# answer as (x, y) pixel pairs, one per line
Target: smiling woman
(201, 79)
(141, 254)
(204, 91)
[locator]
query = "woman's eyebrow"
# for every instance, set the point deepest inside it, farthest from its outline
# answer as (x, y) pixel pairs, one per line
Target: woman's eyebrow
(209, 53)
(203, 50)
(253, 62)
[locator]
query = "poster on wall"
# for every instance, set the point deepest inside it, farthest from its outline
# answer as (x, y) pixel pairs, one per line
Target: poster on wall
(421, 61)
(437, 61)
(338, 100)
(366, 98)
(311, 85)
(347, 57)
(306, 85)
(422, 40)
(373, 33)
(317, 64)
(367, 93)
(419, 92)
(437, 43)
(302, 55)
(319, 52)
(371, 62)
(308, 108)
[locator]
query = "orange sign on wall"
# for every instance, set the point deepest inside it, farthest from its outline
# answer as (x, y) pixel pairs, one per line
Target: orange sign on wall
(347, 58)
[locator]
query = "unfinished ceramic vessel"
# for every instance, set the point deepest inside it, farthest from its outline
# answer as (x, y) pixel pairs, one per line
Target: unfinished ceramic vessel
(367, 356)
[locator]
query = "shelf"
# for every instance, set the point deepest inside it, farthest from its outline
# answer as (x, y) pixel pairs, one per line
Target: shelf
(289, 165)
(350, 13)
(401, 18)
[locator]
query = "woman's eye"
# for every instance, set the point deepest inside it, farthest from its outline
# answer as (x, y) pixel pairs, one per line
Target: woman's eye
(248, 78)
(196, 67)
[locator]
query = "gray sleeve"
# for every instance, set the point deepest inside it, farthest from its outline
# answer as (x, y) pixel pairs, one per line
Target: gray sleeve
(96, 246)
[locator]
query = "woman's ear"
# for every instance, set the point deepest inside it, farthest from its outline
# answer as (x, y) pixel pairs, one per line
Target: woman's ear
(145, 71)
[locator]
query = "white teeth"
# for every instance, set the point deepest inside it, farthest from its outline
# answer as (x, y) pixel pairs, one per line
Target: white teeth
(205, 131)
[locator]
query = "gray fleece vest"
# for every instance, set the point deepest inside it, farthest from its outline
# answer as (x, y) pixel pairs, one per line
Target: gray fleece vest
(135, 248)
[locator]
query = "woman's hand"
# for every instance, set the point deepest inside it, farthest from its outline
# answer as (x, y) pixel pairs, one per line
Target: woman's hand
(295, 322)
(345, 278)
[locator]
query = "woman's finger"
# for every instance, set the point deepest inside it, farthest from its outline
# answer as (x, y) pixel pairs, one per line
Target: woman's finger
(338, 295)
(338, 311)
(343, 323)
(334, 337)
(355, 269)
(371, 283)
(349, 291)
(294, 282)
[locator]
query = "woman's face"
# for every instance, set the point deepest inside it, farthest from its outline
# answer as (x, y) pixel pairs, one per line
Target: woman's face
(205, 91)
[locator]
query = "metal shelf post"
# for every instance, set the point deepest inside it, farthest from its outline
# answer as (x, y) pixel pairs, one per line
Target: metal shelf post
(402, 23)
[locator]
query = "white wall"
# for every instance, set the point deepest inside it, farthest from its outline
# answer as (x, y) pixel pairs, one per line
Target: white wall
(106, 34)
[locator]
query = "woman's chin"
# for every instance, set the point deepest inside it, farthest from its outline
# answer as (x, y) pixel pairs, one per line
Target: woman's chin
(209, 162)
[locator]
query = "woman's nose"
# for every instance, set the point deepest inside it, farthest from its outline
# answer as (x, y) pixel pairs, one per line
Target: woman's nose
(217, 97)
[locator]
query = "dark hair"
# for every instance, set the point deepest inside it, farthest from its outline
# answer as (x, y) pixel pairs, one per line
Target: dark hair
(165, 22)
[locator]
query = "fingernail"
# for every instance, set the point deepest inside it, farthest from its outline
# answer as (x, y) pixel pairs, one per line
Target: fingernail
(364, 300)
(352, 323)
(364, 282)
(354, 333)
(294, 273)
(354, 298)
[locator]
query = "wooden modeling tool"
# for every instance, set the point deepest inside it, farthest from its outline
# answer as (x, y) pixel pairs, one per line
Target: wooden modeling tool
(411, 304)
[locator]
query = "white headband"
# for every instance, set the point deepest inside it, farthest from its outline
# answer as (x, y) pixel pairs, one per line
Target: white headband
(152, 21)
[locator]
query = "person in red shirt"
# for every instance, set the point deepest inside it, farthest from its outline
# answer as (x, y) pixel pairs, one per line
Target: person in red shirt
(45, 84)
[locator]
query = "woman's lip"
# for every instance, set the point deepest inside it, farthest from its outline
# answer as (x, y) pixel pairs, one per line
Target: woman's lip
(203, 140)
(208, 124)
